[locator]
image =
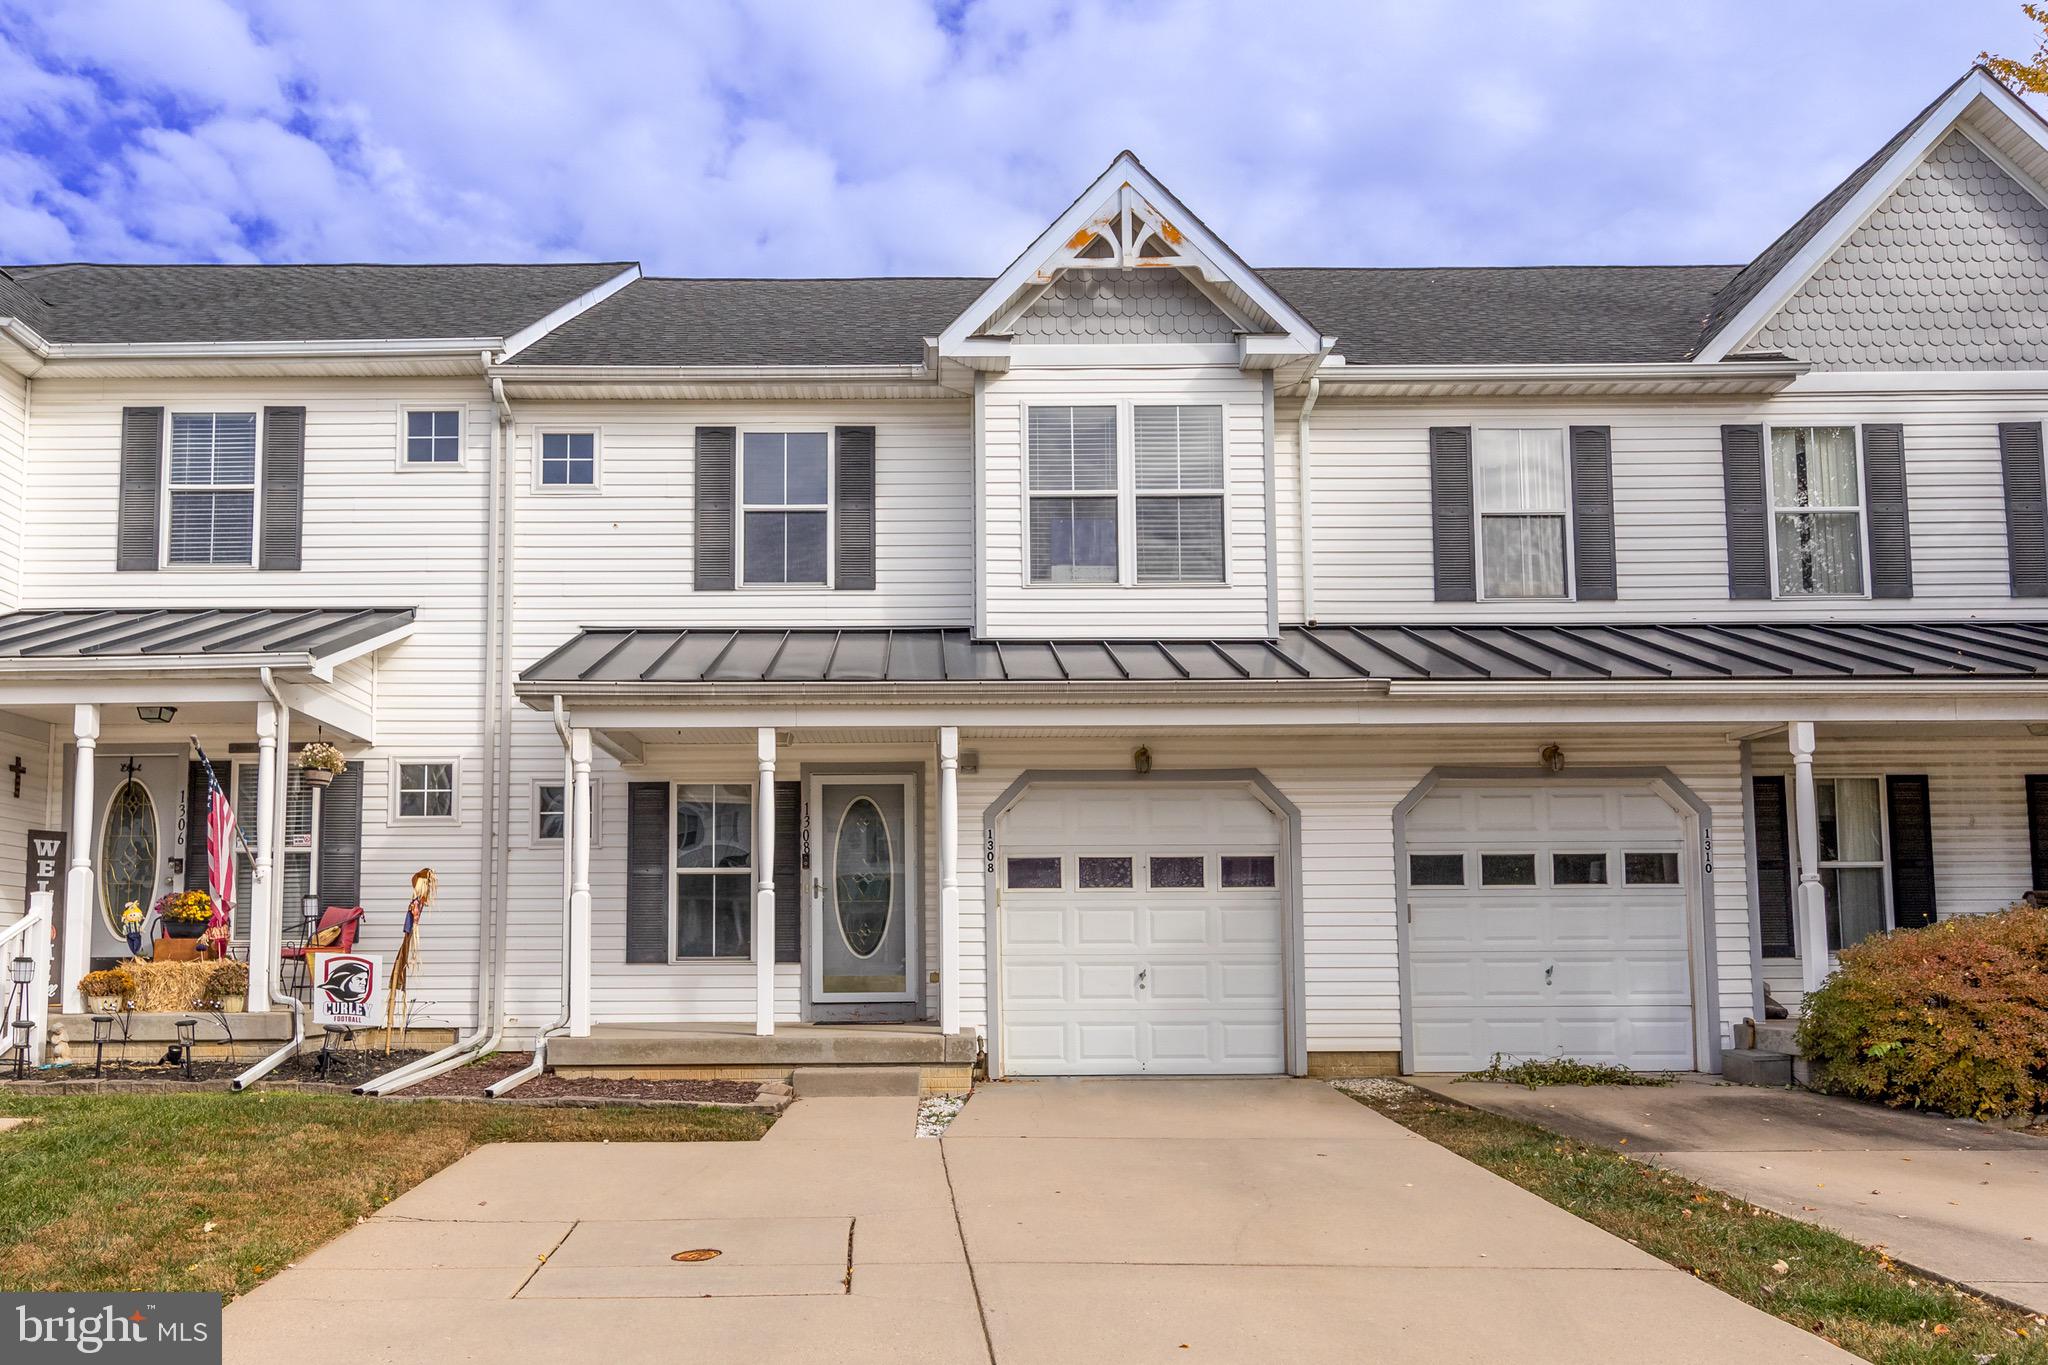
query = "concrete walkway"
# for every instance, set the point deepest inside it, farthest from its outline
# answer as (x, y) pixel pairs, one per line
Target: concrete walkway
(1962, 1200)
(1057, 1221)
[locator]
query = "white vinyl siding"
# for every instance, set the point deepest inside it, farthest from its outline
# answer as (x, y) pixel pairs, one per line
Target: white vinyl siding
(1523, 496)
(212, 504)
(1179, 461)
(786, 507)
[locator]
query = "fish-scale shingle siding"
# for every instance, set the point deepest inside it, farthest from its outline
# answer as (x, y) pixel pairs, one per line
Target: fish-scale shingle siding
(1950, 273)
(1106, 306)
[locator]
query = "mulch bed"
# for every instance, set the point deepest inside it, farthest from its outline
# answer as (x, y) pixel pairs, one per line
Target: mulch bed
(350, 1066)
(473, 1079)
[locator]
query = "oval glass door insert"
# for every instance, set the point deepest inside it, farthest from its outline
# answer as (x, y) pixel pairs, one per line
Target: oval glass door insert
(863, 877)
(127, 851)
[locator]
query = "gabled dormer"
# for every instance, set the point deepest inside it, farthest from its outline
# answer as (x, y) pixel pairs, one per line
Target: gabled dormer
(1124, 370)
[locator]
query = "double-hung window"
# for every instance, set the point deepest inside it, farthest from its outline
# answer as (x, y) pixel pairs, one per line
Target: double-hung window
(1816, 511)
(714, 870)
(213, 488)
(1072, 455)
(1179, 465)
(1523, 497)
(1849, 815)
(786, 516)
(568, 459)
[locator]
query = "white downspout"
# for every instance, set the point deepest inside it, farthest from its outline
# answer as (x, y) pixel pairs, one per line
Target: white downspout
(1305, 483)
(490, 1021)
(271, 828)
(570, 827)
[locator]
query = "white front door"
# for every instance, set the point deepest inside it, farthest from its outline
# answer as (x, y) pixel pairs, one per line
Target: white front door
(864, 925)
(1548, 919)
(1143, 931)
(136, 837)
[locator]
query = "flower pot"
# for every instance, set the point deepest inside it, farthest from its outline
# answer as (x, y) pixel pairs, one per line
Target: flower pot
(184, 928)
(317, 777)
(104, 1004)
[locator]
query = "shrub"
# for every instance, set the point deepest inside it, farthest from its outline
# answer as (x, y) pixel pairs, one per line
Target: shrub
(1953, 1017)
(1539, 1071)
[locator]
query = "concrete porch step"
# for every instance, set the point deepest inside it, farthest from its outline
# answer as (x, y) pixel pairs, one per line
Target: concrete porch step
(1777, 1035)
(815, 1082)
(1753, 1066)
(791, 1045)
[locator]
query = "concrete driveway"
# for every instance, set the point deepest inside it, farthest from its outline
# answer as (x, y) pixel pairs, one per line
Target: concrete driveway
(1962, 1200)
(1083, 1220)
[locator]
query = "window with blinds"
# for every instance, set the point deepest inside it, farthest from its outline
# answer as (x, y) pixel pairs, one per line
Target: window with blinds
(1178, 454)
(296, 865)
(213, 488)
(1072, 458)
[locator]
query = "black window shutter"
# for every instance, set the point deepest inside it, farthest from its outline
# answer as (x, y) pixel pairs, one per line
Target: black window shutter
(1593, 513)
(647, 872)
(853, 507)
(284, 486)
(341, 841)
(1891, 530)
(788, 872)
(714, 473)
(195, 826)
(1773, 866)
(1450, 500)
(1743, 491)
(2026, 507)
(142, 472)
(1912, 851)
(2037, 829)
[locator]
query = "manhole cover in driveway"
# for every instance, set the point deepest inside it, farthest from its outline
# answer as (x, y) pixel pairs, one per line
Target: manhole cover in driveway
(725, 1257)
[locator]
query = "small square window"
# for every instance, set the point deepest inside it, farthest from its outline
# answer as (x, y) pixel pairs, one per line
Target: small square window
(426, 791)
(1033, 874)
(1578, 869)
(1249, 870)
(1178, 872)
(1105, 874)
(1507, 869)
(1650, 869)
(550, 806)
(433, 436)
(568, 459)
(1436, 869)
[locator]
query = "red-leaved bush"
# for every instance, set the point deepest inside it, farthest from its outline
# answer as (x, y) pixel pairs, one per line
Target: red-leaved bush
(1953, 1017)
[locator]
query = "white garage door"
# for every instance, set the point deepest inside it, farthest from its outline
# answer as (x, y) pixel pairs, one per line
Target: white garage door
(1142, 931)
(1548, 920)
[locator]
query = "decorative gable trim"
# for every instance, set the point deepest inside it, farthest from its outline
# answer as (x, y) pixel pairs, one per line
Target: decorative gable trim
(1127, 220)
(1978, 95)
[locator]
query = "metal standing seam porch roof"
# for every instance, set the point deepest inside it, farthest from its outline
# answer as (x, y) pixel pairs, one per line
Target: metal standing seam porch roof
(1693, 651)
(145, 636)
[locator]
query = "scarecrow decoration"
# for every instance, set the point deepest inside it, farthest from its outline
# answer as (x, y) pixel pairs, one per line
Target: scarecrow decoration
(423, 885)
(131, 927)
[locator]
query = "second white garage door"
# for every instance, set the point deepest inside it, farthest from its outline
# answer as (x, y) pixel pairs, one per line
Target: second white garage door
(1548, 920)
(1142, 932)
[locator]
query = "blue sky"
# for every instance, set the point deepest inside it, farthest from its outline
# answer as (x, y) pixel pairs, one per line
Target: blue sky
(904, 136)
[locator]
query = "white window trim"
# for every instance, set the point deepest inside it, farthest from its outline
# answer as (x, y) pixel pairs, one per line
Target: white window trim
(166, 487)
(533, 834)
(1771, 510)
(391, 792)
(1125, 495)
(1480, 514)
(461, 461)
(572, 490)
(676, 870)
(1883, 863)
(741, 507)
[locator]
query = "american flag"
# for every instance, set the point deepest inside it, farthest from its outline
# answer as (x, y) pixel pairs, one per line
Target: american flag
(221, 836)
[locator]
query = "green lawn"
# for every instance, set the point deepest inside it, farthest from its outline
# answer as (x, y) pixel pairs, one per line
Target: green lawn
(217, 1191)
(1831, 1286)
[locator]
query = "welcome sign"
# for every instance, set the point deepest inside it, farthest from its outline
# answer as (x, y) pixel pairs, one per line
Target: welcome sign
(45, 868)
(345, 988)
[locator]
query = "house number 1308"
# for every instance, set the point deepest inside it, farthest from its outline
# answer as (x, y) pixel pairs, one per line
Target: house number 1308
(988, 850)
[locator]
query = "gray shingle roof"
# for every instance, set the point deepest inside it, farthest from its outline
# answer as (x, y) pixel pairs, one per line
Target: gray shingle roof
(1322, 653)
(154, 635)
(174, 303)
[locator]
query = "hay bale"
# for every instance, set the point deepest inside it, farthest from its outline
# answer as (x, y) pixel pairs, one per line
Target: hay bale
(169, 987)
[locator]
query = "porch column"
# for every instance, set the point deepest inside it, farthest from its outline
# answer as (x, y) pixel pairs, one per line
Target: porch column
(85, 729)
(269, 831)
(578, 816)
(949, 879)
(764, 880)
(1810, 900)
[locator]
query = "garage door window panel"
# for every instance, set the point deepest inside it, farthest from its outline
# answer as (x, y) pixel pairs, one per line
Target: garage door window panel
(1578, 869)
(1032, 874)
(1436, 869)
(1106, 874)
(1650, 869)
(1178, 872)
(1507, 869)
(1241, 871)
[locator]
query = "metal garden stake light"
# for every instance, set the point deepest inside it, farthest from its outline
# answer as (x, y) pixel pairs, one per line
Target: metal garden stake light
(21, 975)
(22, 1029)
(102, 1031)
(188, 1035)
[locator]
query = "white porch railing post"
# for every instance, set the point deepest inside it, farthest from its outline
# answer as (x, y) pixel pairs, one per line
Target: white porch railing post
(256, 904)
(1811, 899)
(578, 815)
(37, 948)
(764, 881)
(949, 879)
(85, 729)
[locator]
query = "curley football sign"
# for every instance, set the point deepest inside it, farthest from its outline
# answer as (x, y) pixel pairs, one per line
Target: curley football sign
(346, 988)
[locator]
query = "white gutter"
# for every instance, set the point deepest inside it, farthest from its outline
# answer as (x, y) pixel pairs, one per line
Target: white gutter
(230, 350)
(126, 665)
(272, 824)
(569, 836)
(1303, 477)
(714, 374)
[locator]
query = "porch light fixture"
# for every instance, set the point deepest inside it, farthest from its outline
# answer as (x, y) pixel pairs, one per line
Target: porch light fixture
(102, 1034)
(188, 1037)
(155, 715)
(22, 971)
(22, 1028)
(1552, 758)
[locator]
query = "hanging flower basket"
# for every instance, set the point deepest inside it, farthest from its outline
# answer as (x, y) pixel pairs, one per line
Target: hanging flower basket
(318, 777)
(321, 762)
